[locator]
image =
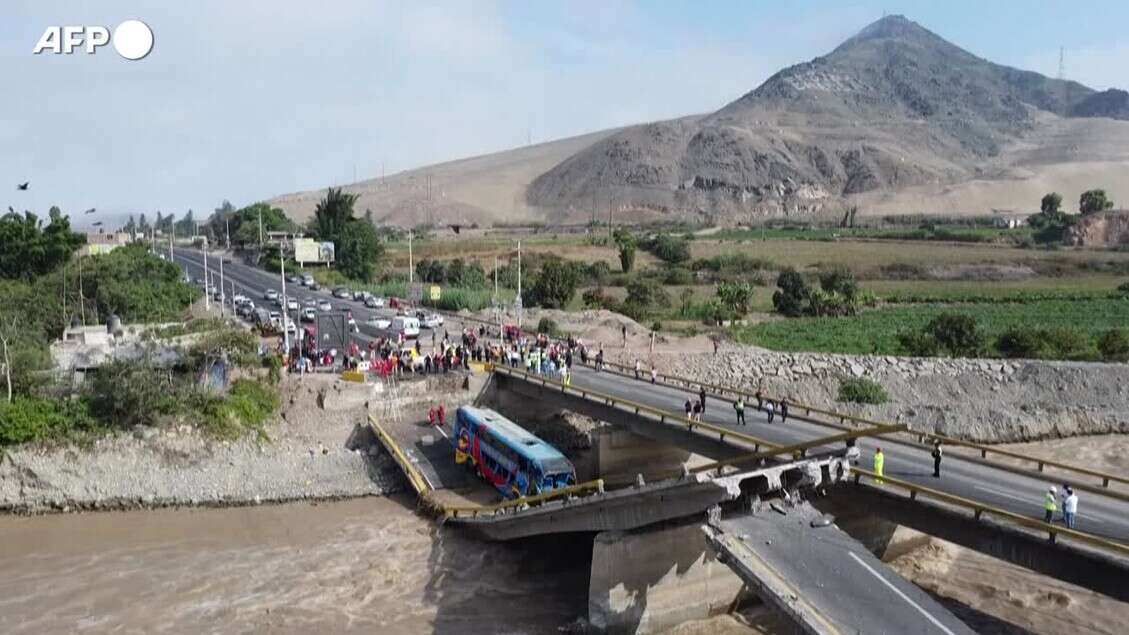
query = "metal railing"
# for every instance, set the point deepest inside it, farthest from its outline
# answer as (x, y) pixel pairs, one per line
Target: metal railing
(795, 449)
(663, 416)
(980, 509)
(985, 450)
(419, 483)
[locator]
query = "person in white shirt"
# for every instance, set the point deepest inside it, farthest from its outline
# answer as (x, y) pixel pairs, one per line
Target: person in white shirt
(1070, 508)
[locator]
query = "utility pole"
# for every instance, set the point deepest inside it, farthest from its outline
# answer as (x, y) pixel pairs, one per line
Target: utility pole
(285, 309)
(260, 229)
(411, 267)
(81, 299)
(227, 230)
(520, 308)
(221, 285)
(207, 296)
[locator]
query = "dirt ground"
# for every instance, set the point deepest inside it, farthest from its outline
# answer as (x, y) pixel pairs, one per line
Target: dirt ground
(1013, 595)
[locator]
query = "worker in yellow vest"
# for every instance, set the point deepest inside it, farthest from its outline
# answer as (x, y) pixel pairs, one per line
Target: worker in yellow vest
(1050, 505)
(879, 462)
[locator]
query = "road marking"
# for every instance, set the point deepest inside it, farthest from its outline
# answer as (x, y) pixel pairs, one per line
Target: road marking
(905, 597)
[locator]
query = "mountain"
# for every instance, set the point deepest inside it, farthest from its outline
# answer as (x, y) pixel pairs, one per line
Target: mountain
(895, 106)
(894, 120)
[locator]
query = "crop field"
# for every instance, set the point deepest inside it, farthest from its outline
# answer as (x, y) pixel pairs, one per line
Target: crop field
(875, 331)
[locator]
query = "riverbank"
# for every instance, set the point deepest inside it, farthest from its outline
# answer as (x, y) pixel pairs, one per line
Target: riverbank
(318, 449)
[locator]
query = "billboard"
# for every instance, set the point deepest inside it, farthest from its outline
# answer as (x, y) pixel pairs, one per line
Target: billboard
(310, 250)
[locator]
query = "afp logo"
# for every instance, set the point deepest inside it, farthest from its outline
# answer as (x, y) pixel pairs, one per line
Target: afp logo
(133, 39)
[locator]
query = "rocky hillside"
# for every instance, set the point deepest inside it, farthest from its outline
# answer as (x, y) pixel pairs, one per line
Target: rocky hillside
(1106, 229)
(893, 106)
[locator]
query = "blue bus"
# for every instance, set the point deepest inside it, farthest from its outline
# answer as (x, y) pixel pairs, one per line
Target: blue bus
(507, 455)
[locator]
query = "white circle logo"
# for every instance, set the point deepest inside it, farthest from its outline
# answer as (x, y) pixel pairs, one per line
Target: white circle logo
(133, 39)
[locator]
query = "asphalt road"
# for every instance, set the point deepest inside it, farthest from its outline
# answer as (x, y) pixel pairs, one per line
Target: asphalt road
(835, 575)
(1098, 515)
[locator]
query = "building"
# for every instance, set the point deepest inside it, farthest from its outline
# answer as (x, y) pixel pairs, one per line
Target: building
(104, 242)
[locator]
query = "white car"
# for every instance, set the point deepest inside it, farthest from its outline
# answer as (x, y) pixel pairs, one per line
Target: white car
(291, 304)
(324, 305)
(310, 302)
(309, 314)
(276, 319)
(270, 294)
(374, 302)
(432, 321)
(378, 322)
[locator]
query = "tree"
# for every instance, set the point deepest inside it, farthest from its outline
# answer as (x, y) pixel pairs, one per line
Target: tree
(793, 295)
(358, 250)
(143, 225)
(737, 296)
(218, 223)
(130, 226)
(9, 328)
(670, 249)
(645, 293)
(28, 249)
(1051, 204)
(1093, 201)
(553, 286)
(332, 213)
(245, 222)
(186, 226)
(626, 242)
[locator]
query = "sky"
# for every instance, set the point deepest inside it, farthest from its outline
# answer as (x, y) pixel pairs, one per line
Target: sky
(250, 99)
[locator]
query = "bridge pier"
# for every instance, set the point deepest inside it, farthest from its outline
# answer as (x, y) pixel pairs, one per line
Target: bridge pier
(652, 580)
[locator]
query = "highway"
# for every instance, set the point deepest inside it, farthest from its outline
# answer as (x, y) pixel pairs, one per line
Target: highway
(824, 577)
(1097, 514)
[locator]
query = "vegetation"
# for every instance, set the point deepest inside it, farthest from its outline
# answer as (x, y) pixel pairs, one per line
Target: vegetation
(736, 296)
(626, 243)
(861, 390)
(668, 248)
(877, 331)
(28, 249)
(837, 295)
(1093, 201)
(952, 334)
(358, 247)
(1051, 223)
(553, 286)
(1114, 345)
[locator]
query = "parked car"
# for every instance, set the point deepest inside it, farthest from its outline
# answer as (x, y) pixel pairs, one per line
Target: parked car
(359, 296)
(323, 305)
(309, 314)
(342, 292)
(292, 279)
(310, 302)
(270, 294)
(307, 280)
(374, 302)
(291, 304)
(275, 319)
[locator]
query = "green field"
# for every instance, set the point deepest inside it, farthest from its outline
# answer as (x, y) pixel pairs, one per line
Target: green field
(875, 331)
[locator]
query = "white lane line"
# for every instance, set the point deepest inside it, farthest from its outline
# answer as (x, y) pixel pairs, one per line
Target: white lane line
(944, 629)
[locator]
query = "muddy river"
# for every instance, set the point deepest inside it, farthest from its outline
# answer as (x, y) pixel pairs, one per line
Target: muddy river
(369, 565)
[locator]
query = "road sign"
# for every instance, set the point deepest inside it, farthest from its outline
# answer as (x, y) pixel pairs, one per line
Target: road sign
(435, 292)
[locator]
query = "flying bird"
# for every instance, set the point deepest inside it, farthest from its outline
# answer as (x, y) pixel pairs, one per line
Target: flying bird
(98, 224)
(23, 186)
(89, 211)
(456, 229)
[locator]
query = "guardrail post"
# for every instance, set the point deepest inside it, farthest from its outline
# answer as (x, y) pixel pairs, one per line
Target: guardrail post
(976, 513)
(1105, 482)
(1040, 466)
(1054, 537)
(983, 453)
(913, 494)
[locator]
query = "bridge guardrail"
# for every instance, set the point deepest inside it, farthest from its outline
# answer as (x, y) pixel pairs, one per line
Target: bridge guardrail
(800, 448)
(637, 407)
(424, 490)
(979, 509)
(984, 450)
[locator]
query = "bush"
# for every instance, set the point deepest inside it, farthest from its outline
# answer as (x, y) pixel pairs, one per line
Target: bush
(247, 406)
(862, 390)
(670, 249)
(1123, 288)
(548, 326)
(597, 299)
(792, 296)
(646, 294)
(1114, 346)
(955, 334)
(1021, 343)
(736, 296)
(677, 276)
(1039, 343)
(32, 419)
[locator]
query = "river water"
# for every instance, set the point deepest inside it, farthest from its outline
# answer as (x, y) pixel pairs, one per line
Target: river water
(370, 565)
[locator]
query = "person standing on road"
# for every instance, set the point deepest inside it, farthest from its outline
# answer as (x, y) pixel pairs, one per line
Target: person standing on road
(770, 409)
(879, 463)
(698, 411)
(1070, 508)
(623, 328)
(1050, 505)
(688, 407)
(936, 459)
(739, 406)
(654, 374)
(638, 369)
(760, 399)
(702, 397)
(783, 411)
